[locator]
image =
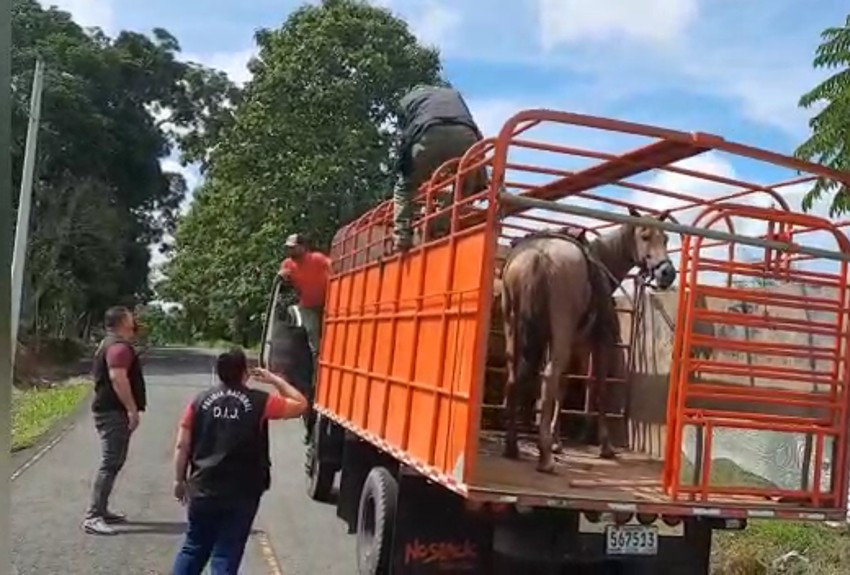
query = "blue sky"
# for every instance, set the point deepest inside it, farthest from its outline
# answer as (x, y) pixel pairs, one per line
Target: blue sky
(731, 67)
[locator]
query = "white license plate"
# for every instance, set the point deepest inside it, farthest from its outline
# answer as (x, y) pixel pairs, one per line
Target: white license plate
(631, 540)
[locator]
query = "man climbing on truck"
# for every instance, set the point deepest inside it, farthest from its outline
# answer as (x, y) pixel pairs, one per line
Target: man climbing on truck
(436, 126)
(307, 271)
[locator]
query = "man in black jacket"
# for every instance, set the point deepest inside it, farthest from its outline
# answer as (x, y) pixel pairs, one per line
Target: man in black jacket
(119, 398)
(436, 126)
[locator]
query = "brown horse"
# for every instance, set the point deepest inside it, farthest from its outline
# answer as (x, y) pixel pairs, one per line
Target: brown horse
(556, 294)
(581, 363)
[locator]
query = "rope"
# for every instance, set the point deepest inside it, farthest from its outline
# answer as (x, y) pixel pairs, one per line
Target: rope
(671, 323)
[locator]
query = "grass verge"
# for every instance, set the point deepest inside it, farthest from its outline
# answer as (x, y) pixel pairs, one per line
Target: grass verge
(35, 411)
(751, 552)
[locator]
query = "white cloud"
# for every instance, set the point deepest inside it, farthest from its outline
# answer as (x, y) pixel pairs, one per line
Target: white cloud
(436, 25)
(765, 84)
(707, 163)
(161, 116)
(491, 114)
(87, 13)
(653, 21)
(189, 173)
(157, 260)
(757, 59)
(234, 64)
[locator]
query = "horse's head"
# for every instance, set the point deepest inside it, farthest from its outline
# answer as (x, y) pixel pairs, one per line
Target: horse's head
(650, 252)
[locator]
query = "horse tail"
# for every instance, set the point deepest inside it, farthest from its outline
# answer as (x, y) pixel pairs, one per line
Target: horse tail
(533, 330)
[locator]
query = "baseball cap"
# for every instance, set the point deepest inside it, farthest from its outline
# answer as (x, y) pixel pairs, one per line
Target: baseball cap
(294, 240)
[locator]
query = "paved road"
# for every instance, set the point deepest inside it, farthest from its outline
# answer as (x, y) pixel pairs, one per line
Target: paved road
(49, 497)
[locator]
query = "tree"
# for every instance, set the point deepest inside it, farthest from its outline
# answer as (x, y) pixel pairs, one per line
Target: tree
(309, 148)
(829, 143)
(165, 325)
(100, 195)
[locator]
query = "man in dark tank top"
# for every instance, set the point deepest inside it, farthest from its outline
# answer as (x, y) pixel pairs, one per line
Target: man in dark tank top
(119, 398)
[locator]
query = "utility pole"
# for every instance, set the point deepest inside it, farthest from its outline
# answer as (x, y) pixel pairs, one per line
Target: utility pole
(19, 255)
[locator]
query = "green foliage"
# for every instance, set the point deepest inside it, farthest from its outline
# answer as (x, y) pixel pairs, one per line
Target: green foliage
(100, 196)
(829, 143)
(309, 148)
(165, 325)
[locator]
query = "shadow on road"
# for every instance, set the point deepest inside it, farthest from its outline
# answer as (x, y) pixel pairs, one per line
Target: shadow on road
(148, 527)
(159, 528)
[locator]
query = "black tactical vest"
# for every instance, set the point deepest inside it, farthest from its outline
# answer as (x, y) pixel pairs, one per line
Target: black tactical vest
(105, 398)
(427, 106)
(230, 444)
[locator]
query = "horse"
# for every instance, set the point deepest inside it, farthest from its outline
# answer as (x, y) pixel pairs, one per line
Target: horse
(581, 354)
(580, 363)
(556, 293)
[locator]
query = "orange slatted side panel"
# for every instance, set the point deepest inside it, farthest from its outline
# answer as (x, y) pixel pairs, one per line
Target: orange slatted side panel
(330, 332)
(398, 349)
(426, 397)
(363, 354)
(461, 345)
(348, 379)
(382, 349)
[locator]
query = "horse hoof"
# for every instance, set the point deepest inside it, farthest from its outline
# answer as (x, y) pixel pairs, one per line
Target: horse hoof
(557, 448)
(511, 452)
(608, 453)
(548, 468)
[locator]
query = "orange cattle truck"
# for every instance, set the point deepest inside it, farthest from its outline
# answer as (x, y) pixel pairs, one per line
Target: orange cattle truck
(730, 403)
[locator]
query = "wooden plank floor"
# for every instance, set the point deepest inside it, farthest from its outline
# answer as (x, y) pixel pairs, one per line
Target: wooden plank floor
(580, 473)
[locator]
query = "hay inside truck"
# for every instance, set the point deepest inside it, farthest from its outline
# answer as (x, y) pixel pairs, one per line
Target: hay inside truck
(732, 403)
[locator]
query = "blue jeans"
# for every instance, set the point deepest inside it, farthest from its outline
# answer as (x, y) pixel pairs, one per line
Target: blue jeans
(217, 533)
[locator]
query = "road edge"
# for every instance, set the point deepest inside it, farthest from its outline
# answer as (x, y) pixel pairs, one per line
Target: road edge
(25, 458)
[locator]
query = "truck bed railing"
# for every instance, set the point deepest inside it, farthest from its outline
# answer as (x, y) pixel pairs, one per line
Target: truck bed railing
(436, 301)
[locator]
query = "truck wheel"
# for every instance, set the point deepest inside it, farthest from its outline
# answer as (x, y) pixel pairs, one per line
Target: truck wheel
(320, 475)
(375, 521)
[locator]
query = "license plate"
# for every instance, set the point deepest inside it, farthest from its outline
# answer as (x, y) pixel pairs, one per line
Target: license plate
(631, 540)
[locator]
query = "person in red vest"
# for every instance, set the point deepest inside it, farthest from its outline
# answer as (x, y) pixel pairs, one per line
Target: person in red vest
(307, 271)
(222, 464)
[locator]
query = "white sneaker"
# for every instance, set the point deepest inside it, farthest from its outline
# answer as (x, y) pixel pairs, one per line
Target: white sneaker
(97, 526)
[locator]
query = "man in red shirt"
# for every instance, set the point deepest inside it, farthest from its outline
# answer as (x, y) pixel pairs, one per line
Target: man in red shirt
(307, 271)
(222, 464)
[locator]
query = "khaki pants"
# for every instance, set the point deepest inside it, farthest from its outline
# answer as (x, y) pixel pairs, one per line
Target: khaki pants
(438, 145)
(311, 318)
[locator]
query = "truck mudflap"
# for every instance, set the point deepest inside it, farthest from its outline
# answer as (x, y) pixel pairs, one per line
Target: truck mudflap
(435, 534)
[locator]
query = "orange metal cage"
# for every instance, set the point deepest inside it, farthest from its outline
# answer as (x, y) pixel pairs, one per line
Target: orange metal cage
(830, 418)
(404, 351)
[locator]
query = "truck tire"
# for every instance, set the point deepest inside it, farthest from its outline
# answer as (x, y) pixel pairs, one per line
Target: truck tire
(375, 522)
(320, 474)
